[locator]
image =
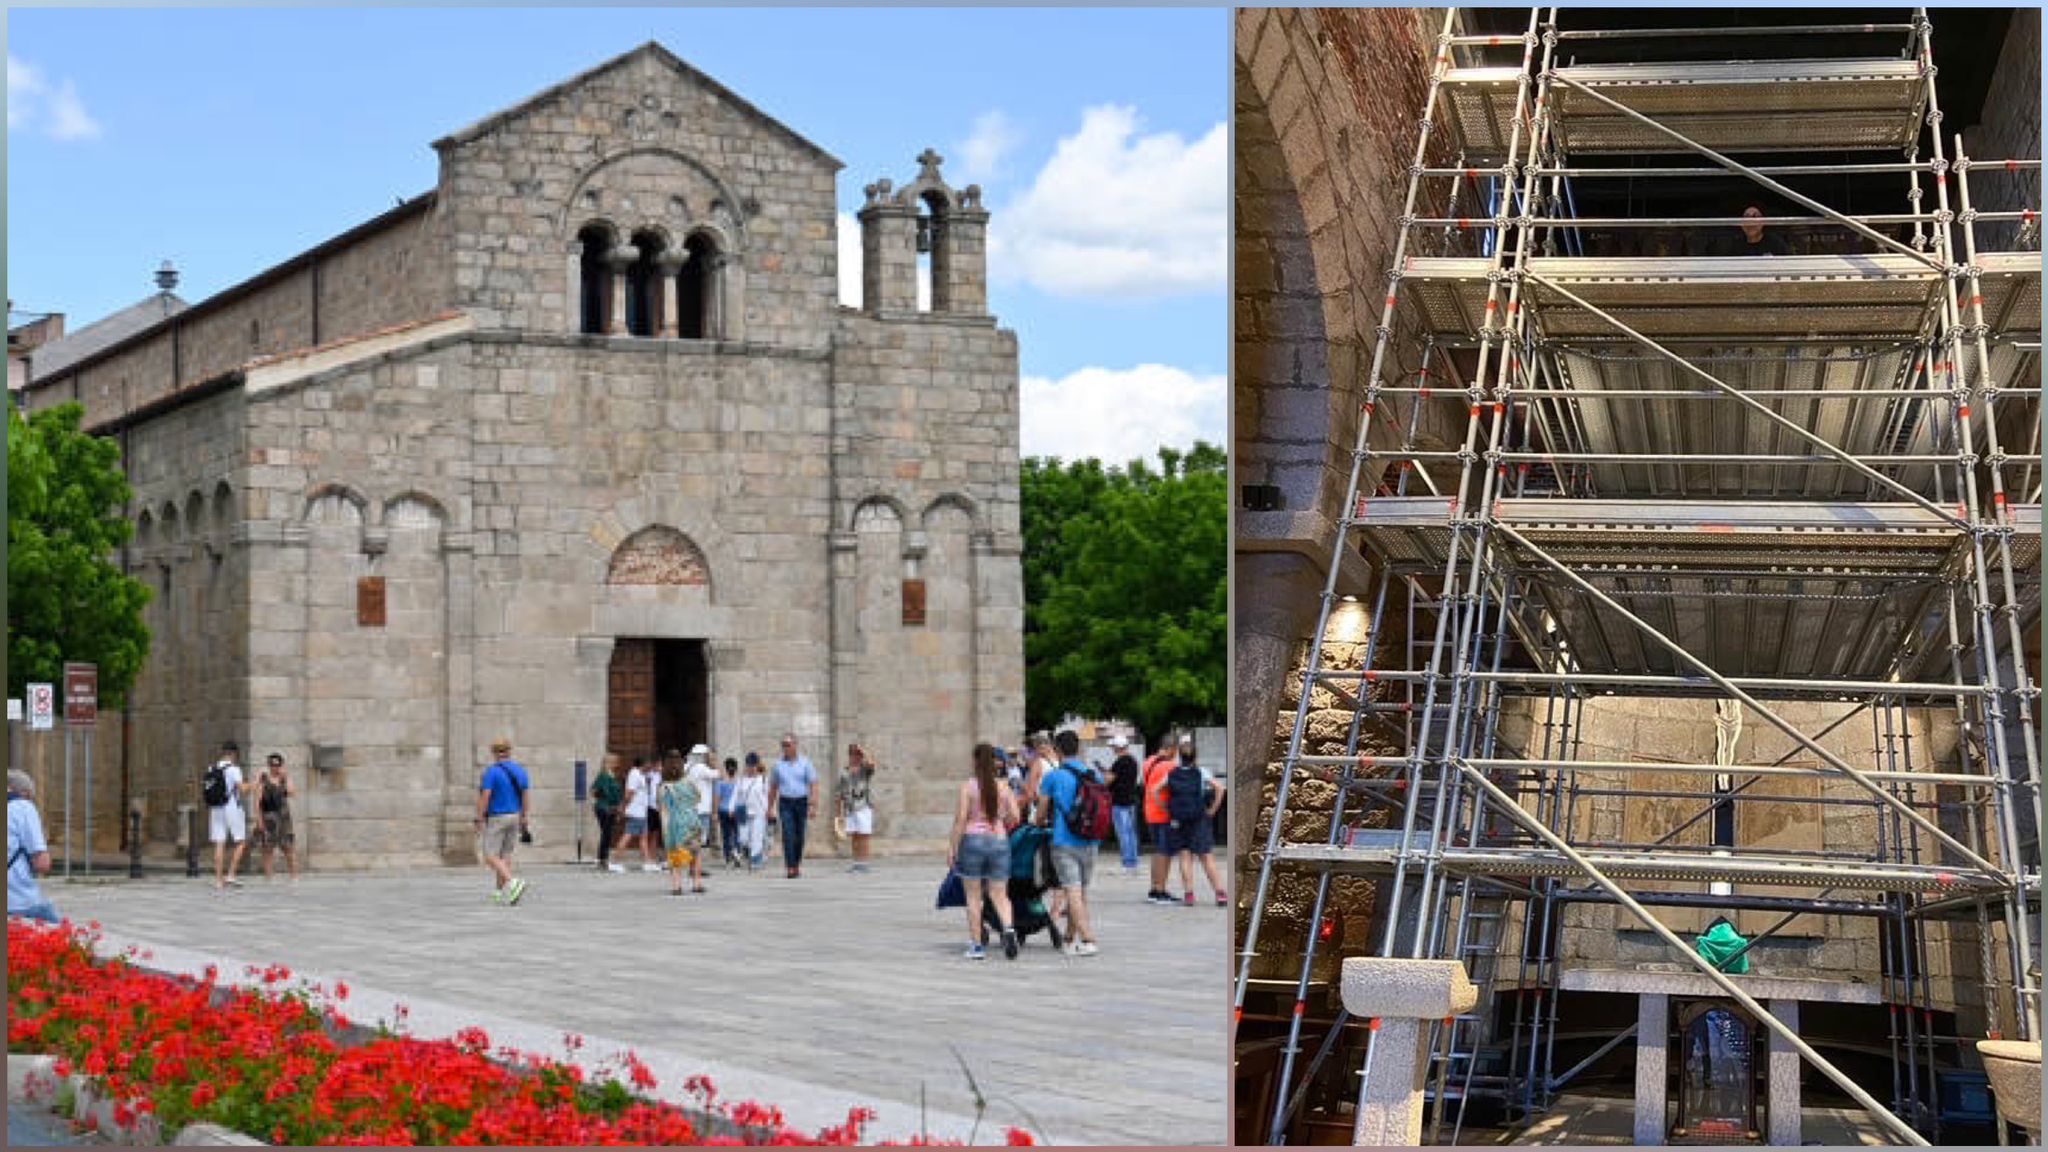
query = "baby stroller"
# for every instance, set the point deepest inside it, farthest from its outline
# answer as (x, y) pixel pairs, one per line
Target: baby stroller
(1030, 875)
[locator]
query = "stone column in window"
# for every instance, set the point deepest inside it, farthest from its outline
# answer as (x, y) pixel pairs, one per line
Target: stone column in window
(714, 295)
(666, 267)
(620, 261)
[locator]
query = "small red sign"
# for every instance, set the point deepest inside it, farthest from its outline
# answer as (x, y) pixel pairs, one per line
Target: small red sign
(81, 694)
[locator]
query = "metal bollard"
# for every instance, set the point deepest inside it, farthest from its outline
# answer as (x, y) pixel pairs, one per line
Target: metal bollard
(192, 846)
(134, 844)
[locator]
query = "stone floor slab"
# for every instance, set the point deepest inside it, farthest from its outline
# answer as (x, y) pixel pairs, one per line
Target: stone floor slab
(816, 994)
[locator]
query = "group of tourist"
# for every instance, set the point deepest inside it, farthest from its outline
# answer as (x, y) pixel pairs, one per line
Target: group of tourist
(228, 793)
(1049, 784)
(673, 814)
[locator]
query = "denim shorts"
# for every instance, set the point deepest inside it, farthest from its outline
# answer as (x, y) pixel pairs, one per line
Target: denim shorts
(1196, 836)
(636, 825)
(983, 857)
(1073, 865)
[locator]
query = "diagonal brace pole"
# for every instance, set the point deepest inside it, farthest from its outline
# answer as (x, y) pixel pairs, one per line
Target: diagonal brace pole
(1757, 1011)
(1793, 426)
(1741, 169)
(1781, 724)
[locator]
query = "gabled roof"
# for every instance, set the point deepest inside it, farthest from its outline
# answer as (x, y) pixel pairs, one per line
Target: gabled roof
(60, 354)
(650, 49)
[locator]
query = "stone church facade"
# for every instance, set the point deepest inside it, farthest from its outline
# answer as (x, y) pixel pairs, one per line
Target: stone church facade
(579, 449)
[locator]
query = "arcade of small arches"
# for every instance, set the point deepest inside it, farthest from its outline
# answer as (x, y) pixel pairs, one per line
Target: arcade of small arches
(644, 284)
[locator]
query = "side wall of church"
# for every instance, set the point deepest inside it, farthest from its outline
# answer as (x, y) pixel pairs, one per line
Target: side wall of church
(188, 471)
(386, 276)
(927, 443)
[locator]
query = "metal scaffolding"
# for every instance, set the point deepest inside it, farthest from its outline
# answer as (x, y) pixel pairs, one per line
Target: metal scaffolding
(1751, 479)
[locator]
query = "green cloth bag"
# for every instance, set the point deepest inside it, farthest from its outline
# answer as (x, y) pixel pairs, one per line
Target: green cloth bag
(1719, 943)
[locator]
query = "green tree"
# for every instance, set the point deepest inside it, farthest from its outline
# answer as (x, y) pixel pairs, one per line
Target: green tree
(66, 598)
(1126, 604)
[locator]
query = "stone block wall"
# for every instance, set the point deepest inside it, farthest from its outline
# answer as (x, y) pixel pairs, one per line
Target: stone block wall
(386, 273)
(642, 143)
(1355, 916)
(189, 472)
(1812, 946)
(926, 444)
(2009, 128)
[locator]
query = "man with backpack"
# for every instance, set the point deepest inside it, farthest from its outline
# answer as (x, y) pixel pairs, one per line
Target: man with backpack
(501, 820)
(1074, 801)
(1191, 803)
(226, 818)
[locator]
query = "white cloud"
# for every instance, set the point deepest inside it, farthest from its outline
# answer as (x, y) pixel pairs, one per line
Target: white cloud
(850, 265)
(982, 154)
(68, 117)
(1119, 215)
(1119, 415)
(23, 86)
(32, 103)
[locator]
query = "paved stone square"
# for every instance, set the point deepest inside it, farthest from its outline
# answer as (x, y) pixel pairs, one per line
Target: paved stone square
(815, 995)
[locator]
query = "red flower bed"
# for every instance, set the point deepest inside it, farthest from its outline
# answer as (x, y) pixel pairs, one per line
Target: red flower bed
(267, 1061)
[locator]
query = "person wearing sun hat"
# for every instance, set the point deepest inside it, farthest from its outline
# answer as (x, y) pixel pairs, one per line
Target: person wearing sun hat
(500, 817)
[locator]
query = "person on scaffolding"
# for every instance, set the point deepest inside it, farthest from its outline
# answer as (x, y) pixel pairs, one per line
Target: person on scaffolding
(1753, 239)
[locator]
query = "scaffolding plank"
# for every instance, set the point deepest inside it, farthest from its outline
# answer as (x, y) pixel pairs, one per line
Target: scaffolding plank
(1855, 875)
(1823, 297)
(1729, 106)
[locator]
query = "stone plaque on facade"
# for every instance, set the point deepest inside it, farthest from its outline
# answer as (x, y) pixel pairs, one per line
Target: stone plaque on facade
(913, 603)
(370, 602)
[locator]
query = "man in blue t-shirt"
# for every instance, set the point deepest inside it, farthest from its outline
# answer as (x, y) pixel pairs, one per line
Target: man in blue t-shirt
(793, 797)
(28, 854)
(501, 820)
(1073, 858)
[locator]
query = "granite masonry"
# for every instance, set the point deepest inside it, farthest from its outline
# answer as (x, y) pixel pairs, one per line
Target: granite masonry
(578, 449)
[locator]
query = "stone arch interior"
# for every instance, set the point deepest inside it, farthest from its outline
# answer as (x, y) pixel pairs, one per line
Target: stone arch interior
(643, 285)
(934, 254)
(696, 288)
(596, 241)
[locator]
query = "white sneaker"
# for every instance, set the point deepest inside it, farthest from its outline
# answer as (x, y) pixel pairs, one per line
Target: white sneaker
(650, 867)
(1082, 948)
(615, 867)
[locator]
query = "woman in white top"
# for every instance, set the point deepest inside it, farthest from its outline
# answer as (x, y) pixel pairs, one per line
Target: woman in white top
(980, 850)
(750, 796)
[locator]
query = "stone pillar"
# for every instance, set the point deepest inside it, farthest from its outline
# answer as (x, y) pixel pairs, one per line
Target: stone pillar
(458, 555)
(1784, 1079)
(1653, 1055)
(726, 658)
(1275, 598)
(620, 261)
(666, 268)
(888, 250)
(846, 646)
(966, 288)
(731, 286)
(1403, 996)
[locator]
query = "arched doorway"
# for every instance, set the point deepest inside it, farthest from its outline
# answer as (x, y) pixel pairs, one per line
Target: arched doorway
(658, 688)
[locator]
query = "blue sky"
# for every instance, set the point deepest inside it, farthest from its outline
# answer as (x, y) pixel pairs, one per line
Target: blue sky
(227, 140)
